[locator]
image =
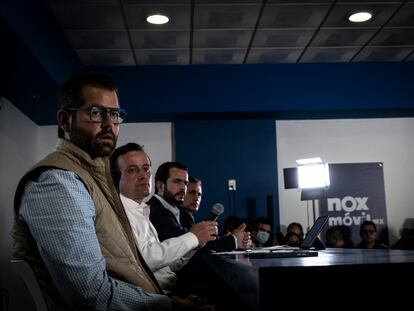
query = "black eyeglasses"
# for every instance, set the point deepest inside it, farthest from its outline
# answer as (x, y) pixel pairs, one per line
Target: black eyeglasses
(98, 113)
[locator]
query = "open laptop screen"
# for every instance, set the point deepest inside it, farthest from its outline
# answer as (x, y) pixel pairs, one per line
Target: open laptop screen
(314, 231)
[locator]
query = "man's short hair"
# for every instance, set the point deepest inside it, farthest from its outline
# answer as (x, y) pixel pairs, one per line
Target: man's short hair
(295, 224)
(193, 180)
(263, 220)
(70, 92)
(163, 172)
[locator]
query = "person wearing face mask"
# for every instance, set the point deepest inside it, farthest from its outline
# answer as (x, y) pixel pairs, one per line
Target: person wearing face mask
(263, 234)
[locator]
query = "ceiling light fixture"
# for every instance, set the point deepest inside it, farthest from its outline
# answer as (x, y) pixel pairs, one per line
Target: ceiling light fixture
(360, 17)
(157, 19)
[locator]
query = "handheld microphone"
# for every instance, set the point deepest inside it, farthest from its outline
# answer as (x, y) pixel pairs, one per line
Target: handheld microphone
(216, 211)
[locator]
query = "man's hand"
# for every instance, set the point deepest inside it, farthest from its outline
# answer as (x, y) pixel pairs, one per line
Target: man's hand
(205, 231)
(243, 238)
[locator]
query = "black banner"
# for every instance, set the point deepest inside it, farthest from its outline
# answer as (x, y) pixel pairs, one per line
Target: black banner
(356, 194)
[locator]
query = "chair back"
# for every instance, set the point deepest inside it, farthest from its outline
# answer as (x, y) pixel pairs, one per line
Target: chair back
(26, 273)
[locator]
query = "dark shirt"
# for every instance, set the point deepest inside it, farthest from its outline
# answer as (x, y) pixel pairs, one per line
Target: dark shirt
(164, 220)
(378, 245)
(186, 219)
(196, 273)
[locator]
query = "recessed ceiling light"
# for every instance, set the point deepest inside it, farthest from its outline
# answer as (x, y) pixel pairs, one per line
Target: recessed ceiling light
(157, 19)
(360, 17)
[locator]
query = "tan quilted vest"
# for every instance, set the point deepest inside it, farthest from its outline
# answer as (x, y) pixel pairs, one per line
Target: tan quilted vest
(113, 230)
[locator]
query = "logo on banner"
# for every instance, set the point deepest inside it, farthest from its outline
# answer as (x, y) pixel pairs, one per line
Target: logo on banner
(356, 194)
(355, 211)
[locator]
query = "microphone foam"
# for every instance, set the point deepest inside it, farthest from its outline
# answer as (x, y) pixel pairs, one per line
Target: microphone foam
(217, 209)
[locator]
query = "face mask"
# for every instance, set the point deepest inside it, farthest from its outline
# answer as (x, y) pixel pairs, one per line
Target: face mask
(262, 237)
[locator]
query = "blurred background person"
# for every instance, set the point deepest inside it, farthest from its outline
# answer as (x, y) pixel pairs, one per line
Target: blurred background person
(369, 236)
(338, 237)
(295, 227)
(334, 238)
(407, 235)
(293, 239)
(263, 235)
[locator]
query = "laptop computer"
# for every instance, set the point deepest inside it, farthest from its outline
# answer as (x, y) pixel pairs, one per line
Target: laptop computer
(304, 250)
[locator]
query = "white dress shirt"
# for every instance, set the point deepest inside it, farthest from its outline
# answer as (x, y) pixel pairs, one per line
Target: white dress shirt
(163, 258)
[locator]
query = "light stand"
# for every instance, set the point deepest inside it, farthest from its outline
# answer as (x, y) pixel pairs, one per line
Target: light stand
(312, 195)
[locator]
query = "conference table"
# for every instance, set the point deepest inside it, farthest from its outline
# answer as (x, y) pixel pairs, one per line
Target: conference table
(341, 275)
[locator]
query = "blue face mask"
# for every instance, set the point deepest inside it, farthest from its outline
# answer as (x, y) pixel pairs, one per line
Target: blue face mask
(262, 237)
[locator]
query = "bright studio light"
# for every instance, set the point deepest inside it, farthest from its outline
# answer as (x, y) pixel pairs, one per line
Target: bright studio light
(309, 161)
(360, 17)
(157, 19)
(313, 173)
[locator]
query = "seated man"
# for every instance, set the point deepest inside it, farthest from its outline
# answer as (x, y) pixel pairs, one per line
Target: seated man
(131, 170)
(263, 236)
(69, 222)
(369, 236)
(334, 237)
(407, 235)
(191, 202)
(171, 180)
(295, 227)
(338, 237)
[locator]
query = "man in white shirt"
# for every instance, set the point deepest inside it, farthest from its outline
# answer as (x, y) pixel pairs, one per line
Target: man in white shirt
(131, 171)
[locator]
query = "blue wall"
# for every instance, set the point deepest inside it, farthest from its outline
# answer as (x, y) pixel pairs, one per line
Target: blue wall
(218, 150)
(171, 93)
(264, 90)
(23, 81)
(39, 31)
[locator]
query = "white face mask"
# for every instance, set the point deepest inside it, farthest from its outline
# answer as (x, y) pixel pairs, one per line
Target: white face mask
(262, 237)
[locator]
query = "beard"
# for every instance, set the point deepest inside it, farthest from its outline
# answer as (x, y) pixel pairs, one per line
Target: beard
(92, 144)
(171, 197)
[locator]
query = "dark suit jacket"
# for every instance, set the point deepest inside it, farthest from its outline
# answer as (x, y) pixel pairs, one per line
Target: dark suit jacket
(164, 221)
(186, 219)
(196, 273)
(167, 227)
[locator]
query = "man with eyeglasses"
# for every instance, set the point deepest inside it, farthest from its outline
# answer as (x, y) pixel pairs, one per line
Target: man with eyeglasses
(369, 236)
(70, 224)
